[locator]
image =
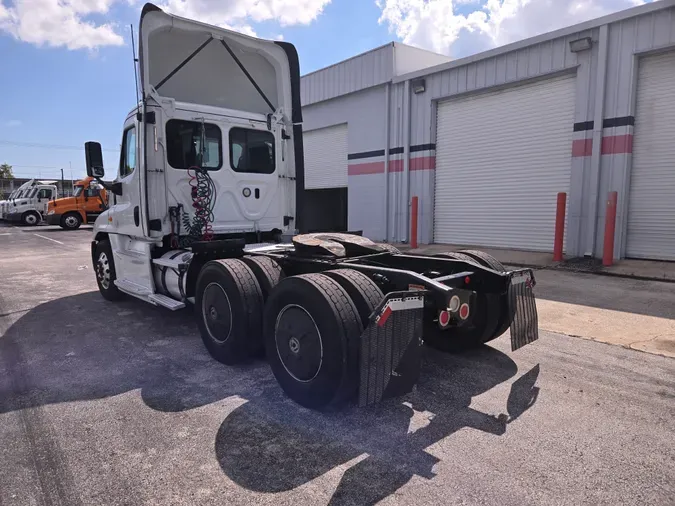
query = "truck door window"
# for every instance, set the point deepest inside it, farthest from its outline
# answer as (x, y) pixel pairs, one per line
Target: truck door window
(184, 145)
(45, 193)
(78, 191)
(252, 151)
(128, 155)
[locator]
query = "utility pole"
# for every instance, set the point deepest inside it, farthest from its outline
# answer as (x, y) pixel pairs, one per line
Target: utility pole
(63, 189)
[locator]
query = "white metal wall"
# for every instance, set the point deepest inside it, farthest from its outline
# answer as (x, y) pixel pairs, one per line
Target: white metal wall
(326, 157)
(651, 205)
(501, 158)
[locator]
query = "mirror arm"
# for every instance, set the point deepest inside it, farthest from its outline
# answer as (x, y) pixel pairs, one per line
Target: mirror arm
(115, 188)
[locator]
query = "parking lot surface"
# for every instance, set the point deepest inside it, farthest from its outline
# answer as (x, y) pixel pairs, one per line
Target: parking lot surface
(119, 403)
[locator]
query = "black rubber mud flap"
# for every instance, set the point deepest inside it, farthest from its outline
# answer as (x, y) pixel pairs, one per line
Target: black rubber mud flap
(391, 348)
(523, 307)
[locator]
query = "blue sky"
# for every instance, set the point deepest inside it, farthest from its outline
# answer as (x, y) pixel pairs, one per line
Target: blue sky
(54, 94)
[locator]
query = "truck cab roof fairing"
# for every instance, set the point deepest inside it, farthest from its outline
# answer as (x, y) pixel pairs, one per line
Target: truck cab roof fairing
(209, 62)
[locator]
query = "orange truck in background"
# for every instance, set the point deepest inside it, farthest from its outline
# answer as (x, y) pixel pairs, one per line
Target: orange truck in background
(88, 201)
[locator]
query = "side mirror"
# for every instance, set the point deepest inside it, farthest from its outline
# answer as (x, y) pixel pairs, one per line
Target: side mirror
(94, 158)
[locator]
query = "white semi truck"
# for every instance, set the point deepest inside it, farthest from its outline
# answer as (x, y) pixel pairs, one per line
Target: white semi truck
(29, 205)
(211, 167)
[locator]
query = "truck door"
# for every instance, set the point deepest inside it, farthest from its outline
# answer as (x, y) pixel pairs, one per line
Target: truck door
(128, 214)
(93, 205)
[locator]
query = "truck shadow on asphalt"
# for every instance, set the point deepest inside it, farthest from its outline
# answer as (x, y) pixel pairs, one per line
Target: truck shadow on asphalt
(271, 445)
(82, 347)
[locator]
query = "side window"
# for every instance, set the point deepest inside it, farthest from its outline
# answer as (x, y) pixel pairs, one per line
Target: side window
(184, 144)
(252, 151)
(45, 193)
(128, 156)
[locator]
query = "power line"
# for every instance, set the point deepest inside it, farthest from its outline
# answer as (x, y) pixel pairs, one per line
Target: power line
(47, 146)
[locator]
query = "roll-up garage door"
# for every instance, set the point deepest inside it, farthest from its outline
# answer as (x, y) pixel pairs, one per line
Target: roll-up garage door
(501, 158)
(326, 157)
(651, 203)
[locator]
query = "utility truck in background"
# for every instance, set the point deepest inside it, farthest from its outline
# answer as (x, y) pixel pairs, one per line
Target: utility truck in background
(207, 210)
(29, 205)
(89, 200)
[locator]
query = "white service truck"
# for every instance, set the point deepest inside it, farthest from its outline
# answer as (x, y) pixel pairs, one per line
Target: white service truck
(211, 168)
(29, 206)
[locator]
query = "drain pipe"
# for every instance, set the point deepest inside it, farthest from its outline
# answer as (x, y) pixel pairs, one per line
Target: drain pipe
(387, 114)
(596, 153)
(406, 158)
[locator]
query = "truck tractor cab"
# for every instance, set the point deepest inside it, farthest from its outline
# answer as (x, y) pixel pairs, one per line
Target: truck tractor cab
(30, 205)
(4, 203)
(89, 200)
(205, 211)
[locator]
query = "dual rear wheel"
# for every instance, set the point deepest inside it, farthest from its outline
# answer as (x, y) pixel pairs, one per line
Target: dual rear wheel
(308, 325)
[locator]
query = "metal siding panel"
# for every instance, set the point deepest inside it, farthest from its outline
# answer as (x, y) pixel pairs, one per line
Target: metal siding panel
(471, 72)
(326, 157)
(522, 62)
(500, 69)
(511, 66)
(662, 28)
(559, 48)
(651, 206)
(481, 68)
(644, 32)
(501, 159)
(461, 79)
(546, 60)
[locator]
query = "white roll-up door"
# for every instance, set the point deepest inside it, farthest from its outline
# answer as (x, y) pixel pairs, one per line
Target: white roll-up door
(501, 159)
(326, 157)
(651, 203)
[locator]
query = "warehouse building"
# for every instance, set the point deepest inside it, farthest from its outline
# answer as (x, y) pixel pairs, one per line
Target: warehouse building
(488, 141)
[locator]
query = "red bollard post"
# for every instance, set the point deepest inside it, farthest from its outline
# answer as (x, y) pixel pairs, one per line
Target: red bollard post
(413, 223)
(559, 228)
(610, 226)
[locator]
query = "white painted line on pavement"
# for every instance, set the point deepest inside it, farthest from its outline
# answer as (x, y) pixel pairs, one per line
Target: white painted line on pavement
(49, 239)
(6, 234)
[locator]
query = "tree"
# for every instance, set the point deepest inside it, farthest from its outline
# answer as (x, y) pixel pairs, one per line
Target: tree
(6, 171)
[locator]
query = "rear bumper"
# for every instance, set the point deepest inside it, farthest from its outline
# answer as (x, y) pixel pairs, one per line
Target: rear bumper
(53, 219)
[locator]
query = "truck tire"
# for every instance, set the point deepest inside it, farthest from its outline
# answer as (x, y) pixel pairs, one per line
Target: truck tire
(363, 291)
(457, 256)
(389, 248)
(267, 271)
(229, 303)
(311, 332)
(104, 267)
(30, 218)
(484, 259)
(71, 221)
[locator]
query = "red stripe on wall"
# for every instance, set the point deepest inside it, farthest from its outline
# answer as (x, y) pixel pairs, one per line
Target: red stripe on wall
(358, 169)
(582, 147)
(617, 144)
(611, 145)
(418, 163)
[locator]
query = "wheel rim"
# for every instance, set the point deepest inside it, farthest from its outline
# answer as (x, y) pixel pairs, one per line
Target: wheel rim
(217, 312)
(103, 270)
(298, 342)
(31, 219)
(71, 221)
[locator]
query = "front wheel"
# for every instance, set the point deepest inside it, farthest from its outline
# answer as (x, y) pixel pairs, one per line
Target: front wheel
(30, 218)
(71, 221)
(104, 266)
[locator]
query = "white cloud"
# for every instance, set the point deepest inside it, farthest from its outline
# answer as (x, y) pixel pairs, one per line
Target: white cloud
(437, 25)
(66, 23)
(236, 12)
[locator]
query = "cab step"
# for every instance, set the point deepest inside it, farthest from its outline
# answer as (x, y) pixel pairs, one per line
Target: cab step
(167, 302)
(132, 288)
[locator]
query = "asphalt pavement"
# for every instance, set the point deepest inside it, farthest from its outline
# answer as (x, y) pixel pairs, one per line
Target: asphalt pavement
(119, 403)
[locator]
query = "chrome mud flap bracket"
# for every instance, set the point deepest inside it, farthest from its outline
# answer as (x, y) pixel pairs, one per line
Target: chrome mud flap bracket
(391, 348)
(523, 307)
